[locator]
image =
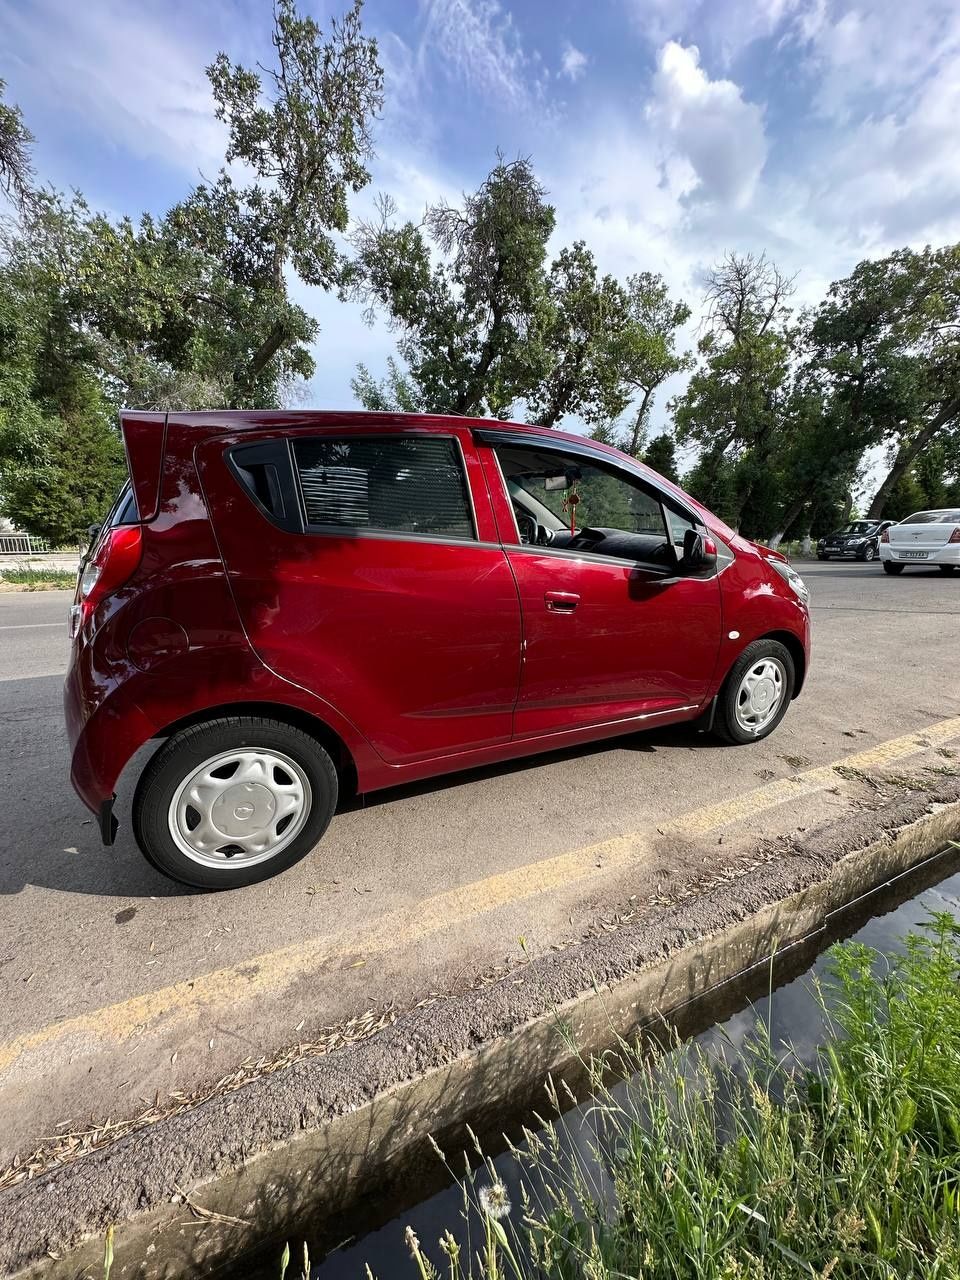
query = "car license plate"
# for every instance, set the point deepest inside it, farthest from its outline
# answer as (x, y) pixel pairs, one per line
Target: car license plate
(914, 555)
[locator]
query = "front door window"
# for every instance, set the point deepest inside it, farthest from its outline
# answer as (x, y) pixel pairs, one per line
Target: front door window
(567, 502)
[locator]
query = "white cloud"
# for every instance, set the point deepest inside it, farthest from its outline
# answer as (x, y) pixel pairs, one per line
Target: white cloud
(120, 71)
(887, 48)
(477, 42)
(573, 62)
(709, 124)
(896, 176)
(724, 28)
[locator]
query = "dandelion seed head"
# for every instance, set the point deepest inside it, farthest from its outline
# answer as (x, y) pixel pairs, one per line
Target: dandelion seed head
(494, 1200)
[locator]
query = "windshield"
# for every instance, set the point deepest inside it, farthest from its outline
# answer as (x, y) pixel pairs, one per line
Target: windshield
(859, 526)
(935, 517)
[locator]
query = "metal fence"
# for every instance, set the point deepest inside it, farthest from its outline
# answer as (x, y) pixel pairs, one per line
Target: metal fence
(21, 544)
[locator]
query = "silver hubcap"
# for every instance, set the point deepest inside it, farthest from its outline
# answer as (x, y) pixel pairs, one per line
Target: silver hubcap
(760, 694)
(242, 806)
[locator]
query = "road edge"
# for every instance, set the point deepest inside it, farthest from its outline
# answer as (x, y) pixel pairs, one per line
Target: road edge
(187, 1189)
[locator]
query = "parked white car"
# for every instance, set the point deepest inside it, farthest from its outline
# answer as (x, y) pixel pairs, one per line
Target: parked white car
(926, 538)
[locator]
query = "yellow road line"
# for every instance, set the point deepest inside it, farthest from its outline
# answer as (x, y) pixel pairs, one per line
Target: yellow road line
(752, 803)
(184, 1003)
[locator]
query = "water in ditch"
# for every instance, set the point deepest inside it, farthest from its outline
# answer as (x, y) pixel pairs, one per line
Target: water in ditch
(881, 920)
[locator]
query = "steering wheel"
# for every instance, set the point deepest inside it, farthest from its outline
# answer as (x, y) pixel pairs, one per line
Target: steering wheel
(527, 526)
(532, 533)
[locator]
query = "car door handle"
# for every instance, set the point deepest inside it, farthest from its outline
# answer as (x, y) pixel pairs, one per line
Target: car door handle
(561, 601)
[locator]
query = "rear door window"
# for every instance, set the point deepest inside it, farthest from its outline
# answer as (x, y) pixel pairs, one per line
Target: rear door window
(409, 485)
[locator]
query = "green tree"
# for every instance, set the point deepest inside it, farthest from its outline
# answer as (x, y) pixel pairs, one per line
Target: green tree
(465, 291)
(932, 481)
(16, 166)
(732, 405)
(815, 464)
(888, 339)
(61, 460)
(661, 455)
(60, 478)
(643, 351)
(302, 130)
(394, 393)
(579, 315)
(712, 480)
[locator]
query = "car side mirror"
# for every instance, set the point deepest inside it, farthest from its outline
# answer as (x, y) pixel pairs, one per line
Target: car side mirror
(699, 553)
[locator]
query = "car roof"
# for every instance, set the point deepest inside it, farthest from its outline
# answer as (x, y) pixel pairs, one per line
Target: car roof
(255, 419)
(231, 420)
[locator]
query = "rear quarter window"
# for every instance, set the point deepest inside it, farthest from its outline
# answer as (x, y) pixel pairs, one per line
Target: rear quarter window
(396, 484)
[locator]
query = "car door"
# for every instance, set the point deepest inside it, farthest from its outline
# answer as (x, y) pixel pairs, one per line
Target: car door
(366, 568)
(606, 636)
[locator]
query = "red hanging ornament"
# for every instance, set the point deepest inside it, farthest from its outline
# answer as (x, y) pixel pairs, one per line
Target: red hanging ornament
(570, 500)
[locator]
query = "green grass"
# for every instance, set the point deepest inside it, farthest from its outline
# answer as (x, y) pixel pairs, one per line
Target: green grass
(39, 579)
(794, 550)
(749, 1167)
(741, 1166)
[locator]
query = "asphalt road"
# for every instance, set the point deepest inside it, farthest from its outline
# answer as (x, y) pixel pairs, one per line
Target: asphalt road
(449, 875)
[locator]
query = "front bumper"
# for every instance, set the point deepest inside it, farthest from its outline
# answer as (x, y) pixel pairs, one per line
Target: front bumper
(949, 554)
(847, 552)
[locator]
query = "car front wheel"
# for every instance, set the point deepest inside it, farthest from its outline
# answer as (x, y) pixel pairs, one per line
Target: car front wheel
(868, 553)
(890, 567)
(234, 801)
(756, 693)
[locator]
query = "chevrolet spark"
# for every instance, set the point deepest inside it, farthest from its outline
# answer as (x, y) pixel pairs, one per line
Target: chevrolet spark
(301, 605)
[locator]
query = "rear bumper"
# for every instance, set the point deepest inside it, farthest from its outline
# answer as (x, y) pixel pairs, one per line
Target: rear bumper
(102, 741)
(949, 554)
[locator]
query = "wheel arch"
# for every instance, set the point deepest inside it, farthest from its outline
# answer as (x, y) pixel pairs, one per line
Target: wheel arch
(796, 651)
(297, 718)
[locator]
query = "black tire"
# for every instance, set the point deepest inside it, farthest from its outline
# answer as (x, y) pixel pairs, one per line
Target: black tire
(184, 753)
(868, 553)
(821, 556)
(890, 567)
(947, 568)
(725, 723)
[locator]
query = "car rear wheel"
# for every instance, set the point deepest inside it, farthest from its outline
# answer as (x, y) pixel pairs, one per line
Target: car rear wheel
(890, 567)
(756, 693)
(234, 801)
(947, 568)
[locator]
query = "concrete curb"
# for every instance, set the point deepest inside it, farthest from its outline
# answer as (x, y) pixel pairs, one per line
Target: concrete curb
(301, 1146)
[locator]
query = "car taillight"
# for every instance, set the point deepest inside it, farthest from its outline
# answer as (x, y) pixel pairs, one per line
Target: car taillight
(885, 536)
(955, 536)
(108, 568)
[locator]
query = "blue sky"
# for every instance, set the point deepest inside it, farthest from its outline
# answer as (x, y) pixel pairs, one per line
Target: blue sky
(667, 131)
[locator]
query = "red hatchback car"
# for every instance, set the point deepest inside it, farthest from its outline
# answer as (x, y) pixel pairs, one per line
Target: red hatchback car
(308, 604)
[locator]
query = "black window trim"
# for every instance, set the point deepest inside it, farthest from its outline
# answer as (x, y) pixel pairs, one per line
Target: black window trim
(525, 441)
(276, 452)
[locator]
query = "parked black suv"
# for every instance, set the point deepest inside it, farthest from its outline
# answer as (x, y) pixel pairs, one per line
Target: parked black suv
(859, 540)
